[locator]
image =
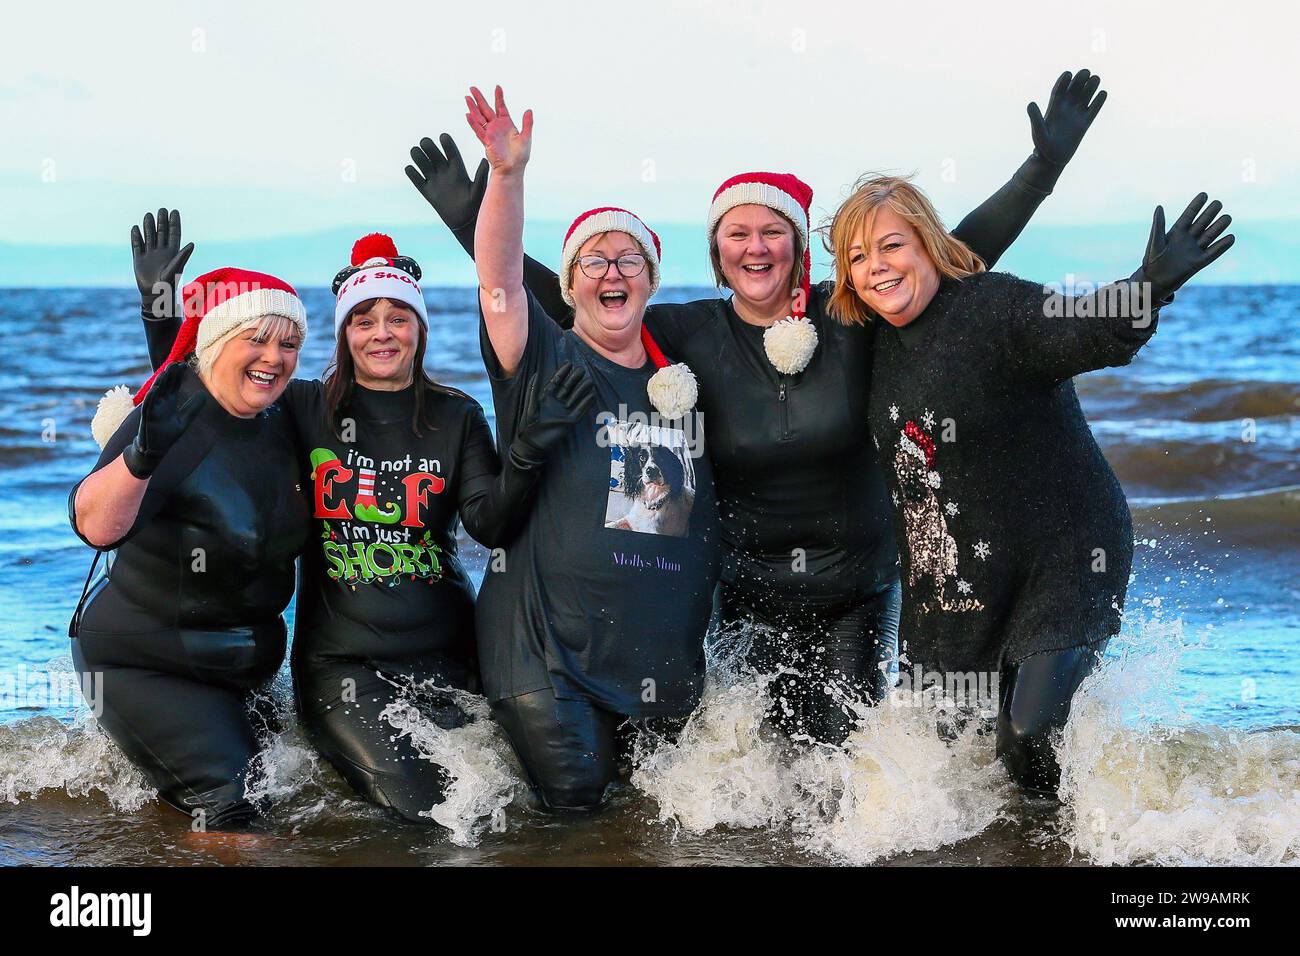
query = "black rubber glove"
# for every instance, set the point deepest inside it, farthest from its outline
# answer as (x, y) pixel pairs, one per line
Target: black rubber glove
(1193, 243)
(164, 416)
(994, 225)
(159, 260)
(446, 186)
(550, 414)
(1070, 111)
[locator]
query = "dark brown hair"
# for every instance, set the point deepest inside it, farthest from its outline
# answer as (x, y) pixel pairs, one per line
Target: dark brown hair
(341, 375)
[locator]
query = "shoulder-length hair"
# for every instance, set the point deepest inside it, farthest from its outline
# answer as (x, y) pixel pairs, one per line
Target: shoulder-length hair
(341, 375)
(854, 221)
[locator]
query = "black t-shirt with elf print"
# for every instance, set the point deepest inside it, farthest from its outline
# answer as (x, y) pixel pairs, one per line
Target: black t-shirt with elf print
(606, 593)
(381, 580)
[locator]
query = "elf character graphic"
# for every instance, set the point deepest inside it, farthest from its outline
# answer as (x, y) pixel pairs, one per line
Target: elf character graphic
(932, 549)
(398, 547)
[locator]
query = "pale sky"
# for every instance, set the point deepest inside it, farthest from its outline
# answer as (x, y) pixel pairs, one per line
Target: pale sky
(269, 119)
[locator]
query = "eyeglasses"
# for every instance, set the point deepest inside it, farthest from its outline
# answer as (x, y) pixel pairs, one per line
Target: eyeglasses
(595, 267)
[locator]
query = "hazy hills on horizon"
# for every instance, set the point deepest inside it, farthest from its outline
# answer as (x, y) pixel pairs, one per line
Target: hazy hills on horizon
(1267, 252)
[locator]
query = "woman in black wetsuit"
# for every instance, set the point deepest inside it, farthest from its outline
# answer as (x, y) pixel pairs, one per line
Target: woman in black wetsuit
(598, 616)
(194, 492)
(1015, 536)
(804, 515)
(389, 461)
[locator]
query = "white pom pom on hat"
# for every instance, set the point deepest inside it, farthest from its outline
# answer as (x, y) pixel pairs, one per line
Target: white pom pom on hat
(791, 342)
(673, 390)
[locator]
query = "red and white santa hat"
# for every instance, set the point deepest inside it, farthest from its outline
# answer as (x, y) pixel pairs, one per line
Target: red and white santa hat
(216, 305)
(790, 342)
(593, 222)
(377, 272)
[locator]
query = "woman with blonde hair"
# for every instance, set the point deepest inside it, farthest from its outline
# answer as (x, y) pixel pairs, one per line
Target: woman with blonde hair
(1014, 535)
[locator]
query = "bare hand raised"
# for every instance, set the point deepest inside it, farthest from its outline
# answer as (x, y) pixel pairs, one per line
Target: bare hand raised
(507, 148)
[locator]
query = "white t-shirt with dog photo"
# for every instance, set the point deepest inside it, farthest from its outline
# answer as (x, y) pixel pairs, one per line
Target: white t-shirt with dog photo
(606, 592)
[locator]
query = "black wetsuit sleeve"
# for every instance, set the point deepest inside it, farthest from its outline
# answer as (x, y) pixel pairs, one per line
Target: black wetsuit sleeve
(538, 279)
(159, 334)
(993, 226)
(494, 496)
(1053, 337)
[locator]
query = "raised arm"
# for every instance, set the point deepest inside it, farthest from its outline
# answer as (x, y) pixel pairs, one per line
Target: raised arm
(446, 186)
(499, 237)
(1056, 337)
(159, 260)
(994, 225)
(495, 501)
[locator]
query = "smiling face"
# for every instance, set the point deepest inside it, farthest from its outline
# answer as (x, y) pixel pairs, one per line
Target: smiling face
(608, 311)
(890, 268)
(756, 250)
(253, 367)
(382, 338)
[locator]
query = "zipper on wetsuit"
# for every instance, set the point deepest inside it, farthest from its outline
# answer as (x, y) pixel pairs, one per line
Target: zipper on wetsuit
(784, 409)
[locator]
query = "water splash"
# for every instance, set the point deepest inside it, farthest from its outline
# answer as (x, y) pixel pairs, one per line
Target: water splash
(1142, 782)
(43, 753)
(483, 775)
(897, 784)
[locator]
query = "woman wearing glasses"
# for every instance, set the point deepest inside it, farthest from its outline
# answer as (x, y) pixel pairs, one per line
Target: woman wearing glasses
(599, 613)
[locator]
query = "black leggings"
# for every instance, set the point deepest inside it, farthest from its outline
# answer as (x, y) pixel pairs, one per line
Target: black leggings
(570, 749)
(339, 704)
(836, 654)
(192, 739)
(1034, 703)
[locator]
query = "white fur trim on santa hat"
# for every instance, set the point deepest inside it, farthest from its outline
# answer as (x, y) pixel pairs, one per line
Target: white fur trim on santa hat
(248, 307)
(673, 390)
(111, 413)
(759, 194)
(608, 220)
(378, 280)
(790, 344)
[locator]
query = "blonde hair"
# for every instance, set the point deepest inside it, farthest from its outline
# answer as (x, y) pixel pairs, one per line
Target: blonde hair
(796, 272)
(268, 327)
(857, 216)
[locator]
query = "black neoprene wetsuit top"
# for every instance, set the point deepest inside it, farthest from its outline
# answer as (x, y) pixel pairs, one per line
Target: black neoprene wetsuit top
(207, 568)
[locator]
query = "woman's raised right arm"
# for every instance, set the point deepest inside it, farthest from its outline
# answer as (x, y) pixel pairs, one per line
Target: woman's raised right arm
(499, 238)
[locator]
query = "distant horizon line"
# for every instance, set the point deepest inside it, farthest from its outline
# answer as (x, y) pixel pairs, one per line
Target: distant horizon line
(659, 223)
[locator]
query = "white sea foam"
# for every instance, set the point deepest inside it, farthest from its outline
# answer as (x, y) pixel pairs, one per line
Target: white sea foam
(42, 753)
(897, 785)
(1143, 782)
(483, 775)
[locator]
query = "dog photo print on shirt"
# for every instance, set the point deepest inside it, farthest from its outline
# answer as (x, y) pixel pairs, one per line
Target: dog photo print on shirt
(651, 479)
